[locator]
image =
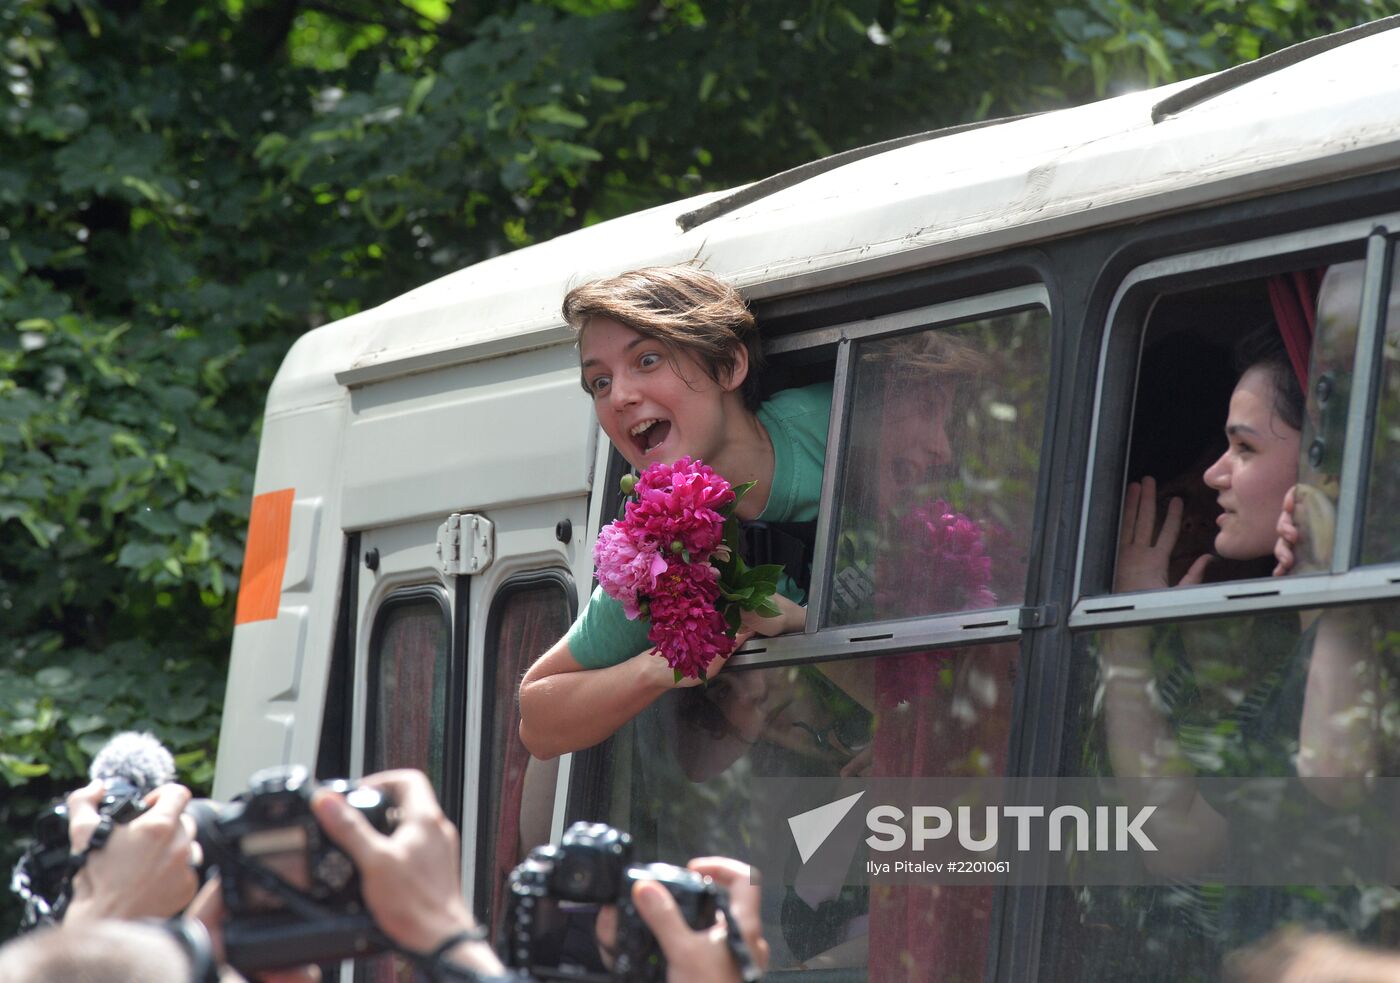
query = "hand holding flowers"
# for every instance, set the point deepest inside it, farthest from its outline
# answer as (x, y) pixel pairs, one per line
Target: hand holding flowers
(673, 558)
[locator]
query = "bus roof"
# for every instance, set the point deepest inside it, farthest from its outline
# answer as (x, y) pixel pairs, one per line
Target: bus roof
(967, 193)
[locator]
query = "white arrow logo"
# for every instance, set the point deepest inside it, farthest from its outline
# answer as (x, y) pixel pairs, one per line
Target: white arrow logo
(810, 829)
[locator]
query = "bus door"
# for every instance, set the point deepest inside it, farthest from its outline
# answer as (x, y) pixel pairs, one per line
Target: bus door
(411, 648)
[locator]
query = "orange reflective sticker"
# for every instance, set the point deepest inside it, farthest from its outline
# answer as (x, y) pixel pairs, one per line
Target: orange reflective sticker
(265, 557)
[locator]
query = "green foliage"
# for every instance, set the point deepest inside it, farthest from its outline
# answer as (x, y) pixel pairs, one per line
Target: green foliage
(187, 185)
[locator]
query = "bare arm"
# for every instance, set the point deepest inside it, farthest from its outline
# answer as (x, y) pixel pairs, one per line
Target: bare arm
(1141, 741)
(1339, 734)
(565, 707)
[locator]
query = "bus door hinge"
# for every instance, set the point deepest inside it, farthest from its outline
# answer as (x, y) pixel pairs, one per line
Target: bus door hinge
(467, 544)
(1041, 617)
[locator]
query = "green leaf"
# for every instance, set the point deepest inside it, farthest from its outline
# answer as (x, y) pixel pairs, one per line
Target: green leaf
(83, 723)
(270, 146)
(147, 190)
(421, 88)
(707, 86)
(555, 113)
(194, 513)
(17, 769)
(733, 617)
(44, 533)
(54, 677)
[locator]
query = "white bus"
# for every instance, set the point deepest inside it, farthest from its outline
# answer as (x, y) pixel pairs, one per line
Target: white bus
(431, 479)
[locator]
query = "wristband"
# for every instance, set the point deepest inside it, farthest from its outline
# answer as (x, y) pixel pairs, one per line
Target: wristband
(432, 961)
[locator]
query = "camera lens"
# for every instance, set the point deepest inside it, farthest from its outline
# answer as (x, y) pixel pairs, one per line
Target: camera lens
(576, 876)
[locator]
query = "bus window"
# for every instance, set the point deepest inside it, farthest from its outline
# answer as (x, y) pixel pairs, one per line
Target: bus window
(1282, 693)
(527, 615)
(409, 663)
(1260, 691)
(687, 780)
(1380, 542)
(408, 669)
(1278, 347)
(938, 476)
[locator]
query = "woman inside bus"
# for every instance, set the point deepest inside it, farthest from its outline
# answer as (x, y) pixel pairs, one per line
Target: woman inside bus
(670, 357)
(1162, 716)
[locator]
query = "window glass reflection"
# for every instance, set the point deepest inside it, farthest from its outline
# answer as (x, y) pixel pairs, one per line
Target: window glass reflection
(1310, 695)
(410, 671)
(687, 781)
(937, 486)
(1381, 537)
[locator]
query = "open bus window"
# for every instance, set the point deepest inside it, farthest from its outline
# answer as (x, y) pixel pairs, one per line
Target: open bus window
(1307, 695)
(1242, 393)
(937, 483)
(687, 779)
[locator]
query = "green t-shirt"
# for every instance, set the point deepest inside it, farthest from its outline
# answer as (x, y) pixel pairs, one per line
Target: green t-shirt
(797, 422)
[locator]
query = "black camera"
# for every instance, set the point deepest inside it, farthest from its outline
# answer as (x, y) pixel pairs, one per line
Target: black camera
(130, 766)
(46, 866)
(292, 895)
(554, 898)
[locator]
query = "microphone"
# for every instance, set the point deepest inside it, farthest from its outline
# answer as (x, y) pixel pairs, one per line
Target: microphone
(130, 765)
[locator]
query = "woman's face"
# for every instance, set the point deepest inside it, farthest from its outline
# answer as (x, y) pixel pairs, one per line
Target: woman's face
(1256, 470)
(654, 406)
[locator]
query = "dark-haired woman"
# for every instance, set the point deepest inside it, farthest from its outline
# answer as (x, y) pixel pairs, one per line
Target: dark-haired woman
(1190, 702)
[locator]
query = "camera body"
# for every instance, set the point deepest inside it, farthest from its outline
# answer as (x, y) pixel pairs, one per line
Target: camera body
(557, 886)
(292, 895)
(48, 862)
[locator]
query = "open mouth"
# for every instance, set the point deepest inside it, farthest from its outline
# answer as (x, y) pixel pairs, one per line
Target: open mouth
(649, 434)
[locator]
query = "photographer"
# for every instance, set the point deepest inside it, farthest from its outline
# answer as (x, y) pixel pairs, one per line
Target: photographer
(409, 878)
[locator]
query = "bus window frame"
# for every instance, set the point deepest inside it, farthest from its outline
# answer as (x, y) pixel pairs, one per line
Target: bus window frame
(957, 628)
(1111, 422)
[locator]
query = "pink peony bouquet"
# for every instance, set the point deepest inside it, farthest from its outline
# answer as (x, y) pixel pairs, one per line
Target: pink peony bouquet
(672, 557)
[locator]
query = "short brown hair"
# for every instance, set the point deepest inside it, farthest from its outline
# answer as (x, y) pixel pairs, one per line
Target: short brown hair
(684, 308)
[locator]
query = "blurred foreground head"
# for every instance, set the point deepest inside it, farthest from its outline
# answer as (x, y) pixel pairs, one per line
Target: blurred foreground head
(98, 952)
(1295, 956)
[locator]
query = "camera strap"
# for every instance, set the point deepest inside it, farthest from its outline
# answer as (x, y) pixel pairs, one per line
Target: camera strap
(297, 901)
(37, 910)
(193, 939)
(738, 948)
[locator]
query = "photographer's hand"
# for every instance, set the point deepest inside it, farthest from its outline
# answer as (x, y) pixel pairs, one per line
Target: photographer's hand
(410, 879)
(703, 956)
(144, 870)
